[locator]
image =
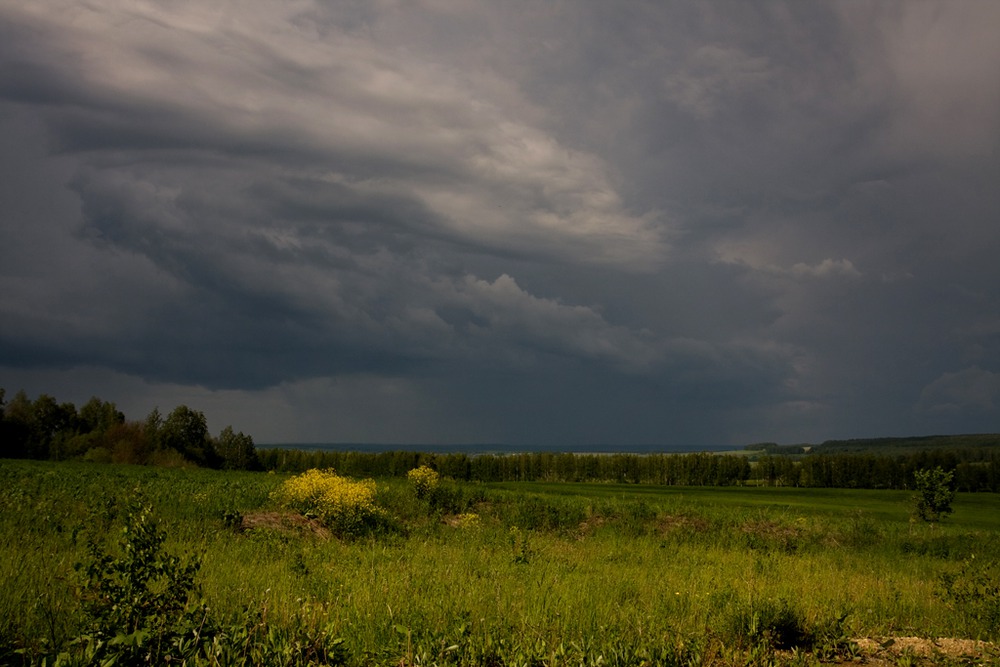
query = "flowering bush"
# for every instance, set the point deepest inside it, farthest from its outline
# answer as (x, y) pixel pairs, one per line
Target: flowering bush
(345, 505)
(424, 480)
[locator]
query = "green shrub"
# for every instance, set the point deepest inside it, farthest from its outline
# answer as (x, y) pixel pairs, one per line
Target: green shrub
(934, 495)
(138, 605)
(530, 512)
(974, 594)
(98, 455)
(449, 498)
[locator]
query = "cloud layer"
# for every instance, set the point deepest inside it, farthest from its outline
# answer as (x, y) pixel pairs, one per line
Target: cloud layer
(447, 222)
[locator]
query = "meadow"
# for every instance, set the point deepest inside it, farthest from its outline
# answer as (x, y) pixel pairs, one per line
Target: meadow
(527, 573)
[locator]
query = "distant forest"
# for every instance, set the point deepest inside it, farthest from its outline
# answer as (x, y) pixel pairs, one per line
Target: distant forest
(46, 429)
(976, 469)
(884, 446)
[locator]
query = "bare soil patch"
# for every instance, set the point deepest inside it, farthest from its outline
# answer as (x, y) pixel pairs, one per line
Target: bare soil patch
(588, 525)
(671, 522)
(887, 650)
(284, 522)
(771, 530)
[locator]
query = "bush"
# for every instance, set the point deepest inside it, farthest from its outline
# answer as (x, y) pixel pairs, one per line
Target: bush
(98, 455)
(141, 607)
(538, 513)
(424, 480)
(934, 493)
(346, 506)
(138, 605)
(973, 592)
(449, 498)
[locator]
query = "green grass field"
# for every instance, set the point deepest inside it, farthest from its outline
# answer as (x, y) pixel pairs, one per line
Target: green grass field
(544, 574)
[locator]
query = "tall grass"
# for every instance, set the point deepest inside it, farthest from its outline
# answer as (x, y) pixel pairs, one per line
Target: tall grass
(550, 573)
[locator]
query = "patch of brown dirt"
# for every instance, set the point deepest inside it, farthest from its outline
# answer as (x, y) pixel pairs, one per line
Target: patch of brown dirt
(671, 522)
(588, 525)
(885, 651)
(771, 529)
(284, 522)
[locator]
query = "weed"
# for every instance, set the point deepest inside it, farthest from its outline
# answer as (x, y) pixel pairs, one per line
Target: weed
(862, 531)
(537, 513)
(766, 535)
(137, 604)
(447, 498)
(974, 592)
(520, 547)
(232, 519)
(424, 480)
(831, 638)
(298, 564)
(772, 624)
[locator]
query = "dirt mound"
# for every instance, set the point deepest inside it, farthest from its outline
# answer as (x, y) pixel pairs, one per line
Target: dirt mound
(284, 522)
(670, 522)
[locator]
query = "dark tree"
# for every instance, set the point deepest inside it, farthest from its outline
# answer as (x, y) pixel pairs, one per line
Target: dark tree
(31, 427)
(97, 416)
(236, 450)
(934, 493)
(185, 431)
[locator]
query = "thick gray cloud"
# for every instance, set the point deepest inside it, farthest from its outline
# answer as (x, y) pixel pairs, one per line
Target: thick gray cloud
(684, 224)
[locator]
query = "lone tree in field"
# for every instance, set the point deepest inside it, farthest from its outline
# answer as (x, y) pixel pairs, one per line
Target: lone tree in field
(934, 493)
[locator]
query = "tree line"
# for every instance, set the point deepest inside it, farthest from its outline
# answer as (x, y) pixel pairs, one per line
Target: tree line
(664, 469)
(44, 428)
(973, 469)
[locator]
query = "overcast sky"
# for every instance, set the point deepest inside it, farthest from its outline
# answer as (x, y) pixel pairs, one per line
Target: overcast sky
(550, 223)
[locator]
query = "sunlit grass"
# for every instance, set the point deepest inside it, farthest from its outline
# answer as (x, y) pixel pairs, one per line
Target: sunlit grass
(603, 566)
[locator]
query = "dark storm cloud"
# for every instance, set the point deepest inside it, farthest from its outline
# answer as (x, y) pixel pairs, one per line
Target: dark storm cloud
(705, 223)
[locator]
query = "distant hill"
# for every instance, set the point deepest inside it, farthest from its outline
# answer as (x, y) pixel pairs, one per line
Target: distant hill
(885, 446)
(907, 445)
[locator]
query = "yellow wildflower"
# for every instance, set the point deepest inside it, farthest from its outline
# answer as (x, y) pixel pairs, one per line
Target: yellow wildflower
(424, 480)
(342, 503)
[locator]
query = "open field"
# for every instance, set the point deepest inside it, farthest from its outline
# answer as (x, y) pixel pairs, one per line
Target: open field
(513, 573)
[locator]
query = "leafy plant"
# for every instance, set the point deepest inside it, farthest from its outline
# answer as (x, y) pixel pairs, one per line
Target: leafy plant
(232, 519)
(768, 623)
(974, 592)
(520, 546)
(138, 604)
(934, 495)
